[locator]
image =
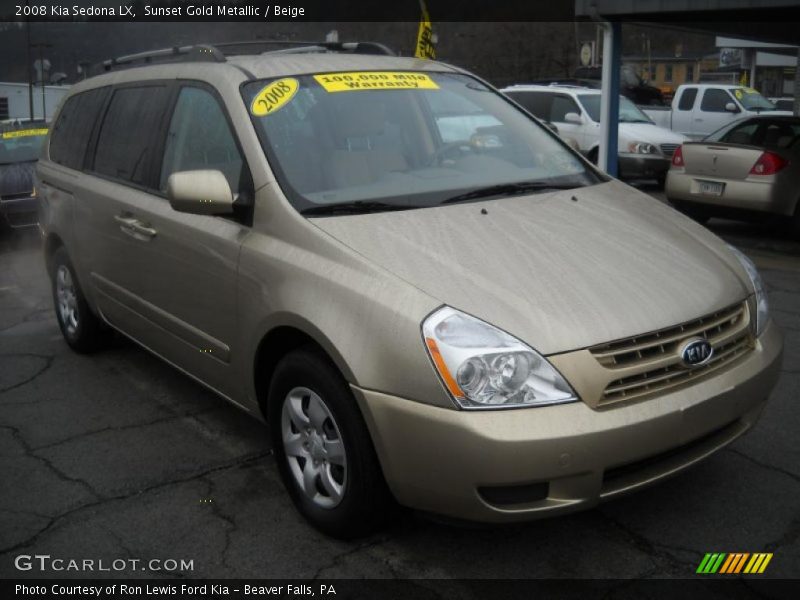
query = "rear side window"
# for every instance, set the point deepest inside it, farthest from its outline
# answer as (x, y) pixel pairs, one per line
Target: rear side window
(687, 99)
(199, 137)
(124, 147)
(714, 100)
(73, 128)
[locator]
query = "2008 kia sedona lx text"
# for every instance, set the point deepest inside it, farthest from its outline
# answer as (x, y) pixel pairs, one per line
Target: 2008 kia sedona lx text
(429, 297)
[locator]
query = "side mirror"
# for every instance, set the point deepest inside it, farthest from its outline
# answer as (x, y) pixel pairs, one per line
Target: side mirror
(573, 117)
(731, 107)
(203, 192)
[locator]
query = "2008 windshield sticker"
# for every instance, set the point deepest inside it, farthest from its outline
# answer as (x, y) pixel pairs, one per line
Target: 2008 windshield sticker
(375, 80)
(274, 96)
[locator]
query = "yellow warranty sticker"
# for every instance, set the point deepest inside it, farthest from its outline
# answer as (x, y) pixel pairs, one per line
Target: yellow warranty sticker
(23, 133)
(738, 94)
(274, 96)
(375, 80)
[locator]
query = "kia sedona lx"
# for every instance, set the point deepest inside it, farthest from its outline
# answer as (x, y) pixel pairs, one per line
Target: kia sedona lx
(430, 299)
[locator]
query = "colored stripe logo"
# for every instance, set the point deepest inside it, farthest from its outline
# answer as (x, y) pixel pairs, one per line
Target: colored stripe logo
(734, 563)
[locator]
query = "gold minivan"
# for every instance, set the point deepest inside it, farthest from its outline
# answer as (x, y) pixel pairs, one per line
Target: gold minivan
(430, 298)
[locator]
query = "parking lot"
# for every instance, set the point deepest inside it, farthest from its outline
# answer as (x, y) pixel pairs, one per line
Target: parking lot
(117, 455)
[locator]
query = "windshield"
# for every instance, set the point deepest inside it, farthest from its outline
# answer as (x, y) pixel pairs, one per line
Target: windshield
(628, 111)
(21, 145)
(750, 99)
(401, 140)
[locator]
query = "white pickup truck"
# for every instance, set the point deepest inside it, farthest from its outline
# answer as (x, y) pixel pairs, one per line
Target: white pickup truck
(702, 108)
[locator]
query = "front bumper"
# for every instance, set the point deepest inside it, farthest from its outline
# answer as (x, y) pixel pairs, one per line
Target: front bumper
(642, 166)
(480, 465)
(20, 211)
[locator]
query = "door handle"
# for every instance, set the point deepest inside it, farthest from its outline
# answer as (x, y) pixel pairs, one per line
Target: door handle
(134, 227)
(143, 229)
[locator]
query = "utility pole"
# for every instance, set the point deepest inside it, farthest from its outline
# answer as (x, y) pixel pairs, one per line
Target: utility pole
(42, 46)
(30, 65)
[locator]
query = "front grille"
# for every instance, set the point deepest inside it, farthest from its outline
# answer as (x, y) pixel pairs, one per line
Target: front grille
(651, 362)
(669, 149)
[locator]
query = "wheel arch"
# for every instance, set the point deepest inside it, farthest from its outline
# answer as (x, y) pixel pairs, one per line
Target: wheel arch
(284, 336)
(51, 243)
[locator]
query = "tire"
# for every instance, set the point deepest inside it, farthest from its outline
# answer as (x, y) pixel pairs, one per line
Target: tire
(330, 469)
(593, 156)
(83, 331)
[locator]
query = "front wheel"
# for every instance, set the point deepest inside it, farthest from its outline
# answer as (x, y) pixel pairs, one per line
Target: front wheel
(324, 452)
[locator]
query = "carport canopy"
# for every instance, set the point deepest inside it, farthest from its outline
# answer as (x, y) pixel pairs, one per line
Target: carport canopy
(774, 21)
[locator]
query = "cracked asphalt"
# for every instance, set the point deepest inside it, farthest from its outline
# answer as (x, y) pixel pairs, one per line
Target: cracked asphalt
(119, 456)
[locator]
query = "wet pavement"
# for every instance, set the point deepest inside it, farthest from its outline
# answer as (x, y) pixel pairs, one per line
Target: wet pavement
(117, 455)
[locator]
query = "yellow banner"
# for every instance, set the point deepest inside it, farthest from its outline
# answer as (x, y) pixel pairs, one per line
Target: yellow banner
(23, 133)
(375, 80)
(425, 47)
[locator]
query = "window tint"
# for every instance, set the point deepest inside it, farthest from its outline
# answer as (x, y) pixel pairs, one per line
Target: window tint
(561, 106)
(714, 100)
(73, 128)
(687, 99)
(199, 137)
(124, 146)
(536, 103)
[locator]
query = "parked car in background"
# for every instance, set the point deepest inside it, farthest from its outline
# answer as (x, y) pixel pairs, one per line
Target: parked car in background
(20, 146)
(645, 150)
(786, 103)
(750, 166)
(698, 109)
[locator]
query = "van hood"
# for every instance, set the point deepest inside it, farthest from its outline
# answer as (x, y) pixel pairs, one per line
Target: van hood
(561, 271)
(647, 132)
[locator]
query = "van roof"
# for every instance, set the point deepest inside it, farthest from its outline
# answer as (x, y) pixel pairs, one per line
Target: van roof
(240, 68)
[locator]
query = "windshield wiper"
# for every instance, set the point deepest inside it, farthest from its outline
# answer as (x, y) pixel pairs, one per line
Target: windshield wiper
(510, 189)
(357, 207)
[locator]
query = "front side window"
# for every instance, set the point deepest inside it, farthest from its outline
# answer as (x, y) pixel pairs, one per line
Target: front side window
(400, 139)
(715, 100)
(628, 111)
(562, 105)
(199, 137)
(124, 146)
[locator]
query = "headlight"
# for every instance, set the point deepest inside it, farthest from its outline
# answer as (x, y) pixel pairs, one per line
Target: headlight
(642, 148)
(762, 304)
(484, 367)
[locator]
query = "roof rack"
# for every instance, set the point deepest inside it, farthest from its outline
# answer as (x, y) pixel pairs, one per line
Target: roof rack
(199, 52)
(218, 52)
(303, 47)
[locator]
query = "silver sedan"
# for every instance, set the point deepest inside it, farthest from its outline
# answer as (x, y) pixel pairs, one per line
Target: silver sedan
(750, 166)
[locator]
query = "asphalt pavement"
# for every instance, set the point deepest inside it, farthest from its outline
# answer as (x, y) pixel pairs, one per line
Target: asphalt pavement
(118, 456)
